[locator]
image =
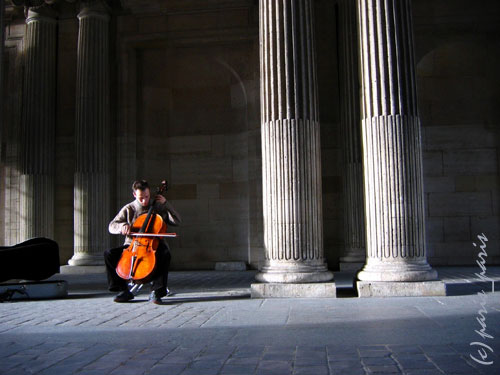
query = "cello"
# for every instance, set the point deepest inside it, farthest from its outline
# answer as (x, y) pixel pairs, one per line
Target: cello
(137, 261)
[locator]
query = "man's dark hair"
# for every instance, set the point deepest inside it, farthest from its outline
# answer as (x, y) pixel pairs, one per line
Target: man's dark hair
(140, 185)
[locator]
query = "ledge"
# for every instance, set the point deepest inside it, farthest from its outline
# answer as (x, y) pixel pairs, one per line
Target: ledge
(293, 290)
(401, 289)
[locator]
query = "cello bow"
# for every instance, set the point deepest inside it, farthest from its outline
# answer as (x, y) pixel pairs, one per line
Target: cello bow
(152, 234)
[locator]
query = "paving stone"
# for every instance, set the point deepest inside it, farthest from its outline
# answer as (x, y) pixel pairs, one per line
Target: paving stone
(90, 334)
(277, 357)
(242, 361)
(76, 362)
(238, 369)
(457, 366)
(163, 369)
(416, 361)
(157, 353)
(350, 371)
(335, 352)
(437, 349)
(345, 365)
(128, 369)
(211, 358)
(206, 364)
(18, 371)
(446, 358)
(200, 371)
(16, 360)
(317, 355)
(93, 372)
(309, 361)
(383, 369)
(310, 370)
(174, 359)
(372, 347)
(489, 370)
(377, 361)
(251, 356)
(363, 353)
(402, 349)
(274, 366)
(424, 372)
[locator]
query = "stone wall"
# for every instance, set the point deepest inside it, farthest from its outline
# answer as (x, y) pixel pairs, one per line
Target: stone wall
(65, 128)
(331, 143)
(458, 81)
(189, 113)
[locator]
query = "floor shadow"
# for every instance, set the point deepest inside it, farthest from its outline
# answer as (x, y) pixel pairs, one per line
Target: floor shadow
(172, 300)
(84, 295)
(463, 289)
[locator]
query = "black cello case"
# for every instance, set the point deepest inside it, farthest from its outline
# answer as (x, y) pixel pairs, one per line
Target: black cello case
(34, 259)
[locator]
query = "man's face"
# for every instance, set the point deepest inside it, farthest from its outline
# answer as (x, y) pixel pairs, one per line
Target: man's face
(142, 196)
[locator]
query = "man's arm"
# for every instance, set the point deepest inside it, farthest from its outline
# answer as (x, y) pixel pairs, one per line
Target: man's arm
(120, 224)
(168, 211)
(174, 218)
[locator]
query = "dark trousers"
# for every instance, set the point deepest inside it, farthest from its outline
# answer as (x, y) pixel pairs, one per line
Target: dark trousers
(160, 273)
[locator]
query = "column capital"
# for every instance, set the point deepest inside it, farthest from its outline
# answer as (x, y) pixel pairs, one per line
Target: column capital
(94, 8)
(43, 12)
(38, 10)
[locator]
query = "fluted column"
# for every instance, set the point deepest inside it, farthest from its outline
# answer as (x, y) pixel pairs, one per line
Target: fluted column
(292, 201)
(38, 125)
(392, 153)
(354, 212)
(2, 44)
(92, 175)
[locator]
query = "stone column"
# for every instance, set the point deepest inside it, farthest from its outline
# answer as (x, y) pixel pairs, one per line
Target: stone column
(92, 137)
(291, 160)
(354, 212)
(2, 44)
(392, 153)
(38, 125)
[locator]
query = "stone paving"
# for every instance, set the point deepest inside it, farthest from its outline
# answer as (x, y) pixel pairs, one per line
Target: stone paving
(210, 326)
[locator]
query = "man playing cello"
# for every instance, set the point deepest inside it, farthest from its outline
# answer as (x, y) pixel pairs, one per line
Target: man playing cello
(122, 224)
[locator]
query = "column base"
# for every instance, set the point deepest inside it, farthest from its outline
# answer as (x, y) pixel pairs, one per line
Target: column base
(375, 270)
(401, 289)
(294, 277)
(83, 270)
(293, 290)
(294, 272)
(86, 260)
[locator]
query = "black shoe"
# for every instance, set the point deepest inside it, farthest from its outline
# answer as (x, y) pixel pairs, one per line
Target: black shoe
(124, 296)
(154, 298)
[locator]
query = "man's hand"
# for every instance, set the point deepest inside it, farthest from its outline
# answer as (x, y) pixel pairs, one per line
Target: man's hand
(160, 199)
(125, 229)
